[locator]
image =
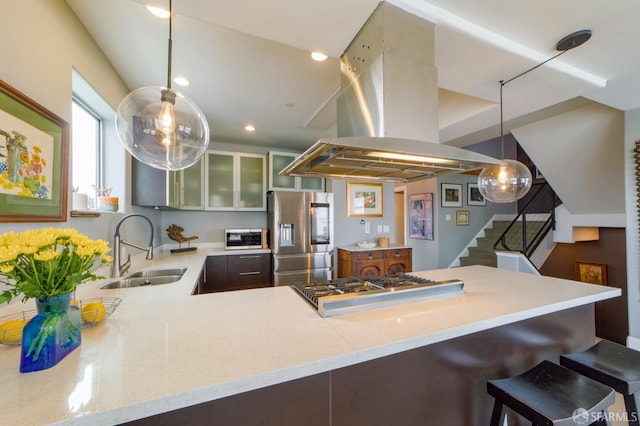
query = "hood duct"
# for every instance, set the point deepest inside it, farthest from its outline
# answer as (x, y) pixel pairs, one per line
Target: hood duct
(387, 109)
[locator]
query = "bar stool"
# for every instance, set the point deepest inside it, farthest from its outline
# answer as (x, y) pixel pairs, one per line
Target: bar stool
(613, 365)
(549, 394)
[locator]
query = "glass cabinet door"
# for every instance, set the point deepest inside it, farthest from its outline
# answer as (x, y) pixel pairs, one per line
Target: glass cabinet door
(277, 162)
(312, 184)
(220, 182)
(252, 189)
(191, 188)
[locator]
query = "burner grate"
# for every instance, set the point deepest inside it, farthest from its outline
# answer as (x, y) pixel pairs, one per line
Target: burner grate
(357, 293)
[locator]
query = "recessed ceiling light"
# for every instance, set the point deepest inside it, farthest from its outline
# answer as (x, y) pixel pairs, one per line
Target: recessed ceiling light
(318, 56)
(250, 128)
(158, 11)
(181, 81)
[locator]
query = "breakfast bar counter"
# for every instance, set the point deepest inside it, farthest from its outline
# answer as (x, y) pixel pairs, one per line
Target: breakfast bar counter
(165, 350)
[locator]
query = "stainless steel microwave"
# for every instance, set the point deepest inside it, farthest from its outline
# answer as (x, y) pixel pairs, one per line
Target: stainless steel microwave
(243, 239)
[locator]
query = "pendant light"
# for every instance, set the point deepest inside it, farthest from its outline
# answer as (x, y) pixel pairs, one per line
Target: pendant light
(161, 126)
(511, 180)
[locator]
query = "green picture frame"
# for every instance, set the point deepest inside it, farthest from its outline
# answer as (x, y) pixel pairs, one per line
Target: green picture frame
(43, 198)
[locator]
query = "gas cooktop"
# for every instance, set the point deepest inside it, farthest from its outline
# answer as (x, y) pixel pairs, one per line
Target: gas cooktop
(353, 294)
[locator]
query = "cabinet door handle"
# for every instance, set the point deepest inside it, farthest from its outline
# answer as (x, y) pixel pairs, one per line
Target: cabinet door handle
(249, 257)
(370, 257)
(250, 273)
(397, 254)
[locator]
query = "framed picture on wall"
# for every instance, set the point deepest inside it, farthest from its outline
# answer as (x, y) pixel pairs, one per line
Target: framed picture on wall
(421, 216)
(451, 195)
(462, 217)
(591, 272)
(364, 199)
(474, 196)
(33, 160)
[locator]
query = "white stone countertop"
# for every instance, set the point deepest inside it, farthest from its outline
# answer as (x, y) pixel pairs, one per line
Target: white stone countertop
(163, 349)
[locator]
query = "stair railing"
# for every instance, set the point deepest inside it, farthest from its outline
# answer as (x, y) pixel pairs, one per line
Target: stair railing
(544, 222)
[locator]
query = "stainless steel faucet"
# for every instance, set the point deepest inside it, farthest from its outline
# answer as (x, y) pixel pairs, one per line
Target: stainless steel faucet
(117, 267)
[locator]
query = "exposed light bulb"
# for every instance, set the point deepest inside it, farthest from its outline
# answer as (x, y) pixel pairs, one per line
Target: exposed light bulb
(166, 141)
(166, 118)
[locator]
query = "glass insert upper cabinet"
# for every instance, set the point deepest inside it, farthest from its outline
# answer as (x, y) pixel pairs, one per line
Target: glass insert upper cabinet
(163, 189)
(277, 162)
(235, 181)
(190, 184)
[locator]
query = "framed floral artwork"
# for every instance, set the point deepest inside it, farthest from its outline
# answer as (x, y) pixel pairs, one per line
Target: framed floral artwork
(34, 145)
(364, 199)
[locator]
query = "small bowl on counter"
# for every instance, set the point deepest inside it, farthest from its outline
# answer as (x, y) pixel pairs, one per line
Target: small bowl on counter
(366, 244)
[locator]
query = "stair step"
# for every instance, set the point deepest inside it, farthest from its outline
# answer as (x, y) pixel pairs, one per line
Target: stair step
(469, 261)
(484, 254)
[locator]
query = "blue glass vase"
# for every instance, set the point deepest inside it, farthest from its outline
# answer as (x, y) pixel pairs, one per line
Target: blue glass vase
(51, 335)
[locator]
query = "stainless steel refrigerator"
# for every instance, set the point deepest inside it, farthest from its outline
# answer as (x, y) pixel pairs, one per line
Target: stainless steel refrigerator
(300, 236)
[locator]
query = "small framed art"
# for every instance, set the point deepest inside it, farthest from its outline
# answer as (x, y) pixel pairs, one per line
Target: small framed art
(462, 217)
(451, 195)
(474, 196)
(591, 272)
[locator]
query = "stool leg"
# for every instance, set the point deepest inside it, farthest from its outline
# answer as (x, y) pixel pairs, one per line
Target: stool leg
(498, 414)
(632, 409)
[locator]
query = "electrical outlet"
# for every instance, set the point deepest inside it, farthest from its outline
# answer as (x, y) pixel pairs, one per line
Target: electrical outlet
(379, 229)
(447, 217)
(367, 227)
(385, 228)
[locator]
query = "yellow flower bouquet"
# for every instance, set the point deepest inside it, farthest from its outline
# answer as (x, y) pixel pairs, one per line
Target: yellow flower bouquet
(42, 263)
(47, 264)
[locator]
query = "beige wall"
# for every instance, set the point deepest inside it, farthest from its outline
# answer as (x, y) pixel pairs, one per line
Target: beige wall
(40, 42)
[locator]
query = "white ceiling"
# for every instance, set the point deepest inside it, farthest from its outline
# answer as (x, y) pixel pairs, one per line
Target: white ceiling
(248, 60)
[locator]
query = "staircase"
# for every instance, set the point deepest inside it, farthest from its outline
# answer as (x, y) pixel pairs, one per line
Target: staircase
(484, 253)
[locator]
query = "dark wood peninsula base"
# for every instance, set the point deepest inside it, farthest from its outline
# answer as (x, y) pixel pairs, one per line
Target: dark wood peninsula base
(439, 384)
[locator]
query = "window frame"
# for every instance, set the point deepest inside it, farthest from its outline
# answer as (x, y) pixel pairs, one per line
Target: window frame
(99, 137)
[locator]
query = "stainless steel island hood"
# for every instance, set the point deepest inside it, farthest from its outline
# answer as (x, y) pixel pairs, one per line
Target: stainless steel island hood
(387, 159)
(387, 109)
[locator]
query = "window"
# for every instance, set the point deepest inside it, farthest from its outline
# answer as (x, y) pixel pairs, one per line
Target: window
(97, 158)
(86, 142)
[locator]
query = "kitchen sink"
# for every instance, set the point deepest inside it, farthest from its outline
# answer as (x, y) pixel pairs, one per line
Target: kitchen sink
(158, 273)
(141, 281)
(148, 277)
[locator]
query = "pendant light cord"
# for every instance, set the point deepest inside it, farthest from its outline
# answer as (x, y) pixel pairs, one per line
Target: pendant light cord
(170, 45)
(502, 83)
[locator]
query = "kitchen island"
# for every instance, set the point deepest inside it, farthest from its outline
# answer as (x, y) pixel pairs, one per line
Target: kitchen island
(208, 356)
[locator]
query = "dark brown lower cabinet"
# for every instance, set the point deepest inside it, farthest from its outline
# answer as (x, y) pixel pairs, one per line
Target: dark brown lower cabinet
(439, 384)
(237, 272)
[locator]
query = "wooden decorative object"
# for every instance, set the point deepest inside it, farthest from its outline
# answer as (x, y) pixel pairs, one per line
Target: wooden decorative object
(175, 233)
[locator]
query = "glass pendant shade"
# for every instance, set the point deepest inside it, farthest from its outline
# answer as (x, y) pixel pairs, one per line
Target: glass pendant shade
(505, 182)
(162, 128)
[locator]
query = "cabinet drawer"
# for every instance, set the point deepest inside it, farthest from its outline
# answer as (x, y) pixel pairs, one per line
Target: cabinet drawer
(247, 263)
(398, 253)
(375, 254)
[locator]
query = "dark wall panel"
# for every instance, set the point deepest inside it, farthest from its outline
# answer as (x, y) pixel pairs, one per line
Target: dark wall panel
(612, 319)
